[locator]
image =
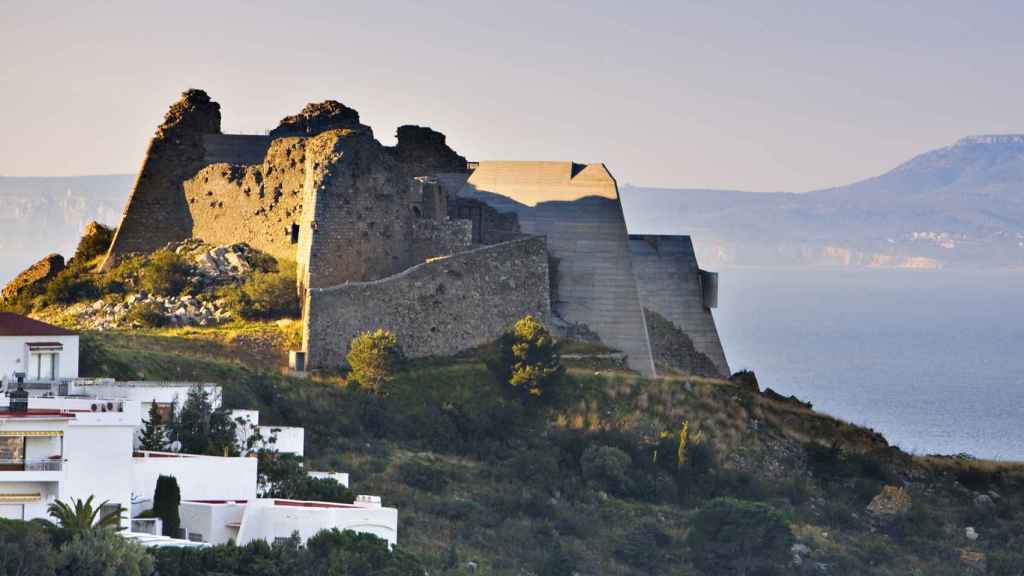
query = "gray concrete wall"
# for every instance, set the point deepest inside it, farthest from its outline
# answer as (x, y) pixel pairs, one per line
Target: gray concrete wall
(668, 279)
(436, 308)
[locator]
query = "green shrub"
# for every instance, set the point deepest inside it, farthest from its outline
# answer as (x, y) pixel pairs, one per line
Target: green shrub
(282, 476)
(606, 468)
(264, 296)
(374, 357)
(422, 475)
(25, 549)
(729, 536)
(147, 314)
(103, 553)
(527, 357)
(165, 273)
(70, 286)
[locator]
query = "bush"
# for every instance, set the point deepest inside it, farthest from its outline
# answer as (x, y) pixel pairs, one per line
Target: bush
(165, 273)
(103, 553)
(25, 549)
(527, 357)
(374, 357)
(607, 468)
(729, 536)
(147, 314)
(641, 547)
(70, 286)
(422, 475)
(264, 296)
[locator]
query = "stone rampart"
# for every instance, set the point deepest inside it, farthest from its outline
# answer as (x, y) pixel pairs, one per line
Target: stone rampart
(436, 308)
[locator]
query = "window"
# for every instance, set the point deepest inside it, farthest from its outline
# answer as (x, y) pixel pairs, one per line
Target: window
(295, 233)
(195, 537)
(42, 366)
(12, 452)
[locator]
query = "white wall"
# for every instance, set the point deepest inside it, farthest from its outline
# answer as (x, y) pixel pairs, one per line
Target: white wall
(14, 355)
(290, 439)
(199, 477)
(210, 520)
(264, 520)
(99, 463)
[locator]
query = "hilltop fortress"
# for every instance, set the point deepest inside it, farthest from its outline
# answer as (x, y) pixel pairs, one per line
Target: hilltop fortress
(413, 238)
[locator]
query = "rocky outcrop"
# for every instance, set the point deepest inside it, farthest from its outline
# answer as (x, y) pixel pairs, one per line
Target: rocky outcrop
(34, 279)
(193, 112)
(318, 117)
(422, 151)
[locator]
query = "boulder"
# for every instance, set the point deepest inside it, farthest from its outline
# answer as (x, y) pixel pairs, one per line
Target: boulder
(892, 501)
(33, 280)
(970, 533)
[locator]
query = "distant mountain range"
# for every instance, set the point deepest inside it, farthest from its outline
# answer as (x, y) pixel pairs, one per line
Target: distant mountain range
(958, 206)
(44, 215)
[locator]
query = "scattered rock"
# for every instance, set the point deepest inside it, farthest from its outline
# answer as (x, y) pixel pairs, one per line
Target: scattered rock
(984, 502)
(974, 560)
(970, 534)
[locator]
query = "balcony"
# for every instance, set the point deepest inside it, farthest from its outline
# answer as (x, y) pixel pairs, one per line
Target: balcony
(32, 465)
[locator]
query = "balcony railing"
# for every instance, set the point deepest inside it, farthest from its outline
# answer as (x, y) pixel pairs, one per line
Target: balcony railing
(32, 465)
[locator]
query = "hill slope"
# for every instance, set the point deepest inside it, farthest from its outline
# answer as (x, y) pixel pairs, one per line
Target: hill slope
(590, 478)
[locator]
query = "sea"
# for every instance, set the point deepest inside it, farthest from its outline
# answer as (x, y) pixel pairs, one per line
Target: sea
(932, 359)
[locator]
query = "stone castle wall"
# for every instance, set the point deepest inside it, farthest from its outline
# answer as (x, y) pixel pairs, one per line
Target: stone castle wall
(436, 308)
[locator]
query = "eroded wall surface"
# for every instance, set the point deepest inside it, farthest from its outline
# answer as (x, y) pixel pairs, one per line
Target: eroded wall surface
(436, 308)
(668, 279)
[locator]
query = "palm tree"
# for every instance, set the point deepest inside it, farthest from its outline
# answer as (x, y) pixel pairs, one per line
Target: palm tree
(83, 515)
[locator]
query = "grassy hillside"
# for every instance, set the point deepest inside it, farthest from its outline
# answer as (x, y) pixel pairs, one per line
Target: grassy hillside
(588, 478)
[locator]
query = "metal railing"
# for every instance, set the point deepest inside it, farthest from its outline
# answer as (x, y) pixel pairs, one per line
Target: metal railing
(32, 465)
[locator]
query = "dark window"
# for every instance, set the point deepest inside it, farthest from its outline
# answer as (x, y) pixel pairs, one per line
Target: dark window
(295, 233)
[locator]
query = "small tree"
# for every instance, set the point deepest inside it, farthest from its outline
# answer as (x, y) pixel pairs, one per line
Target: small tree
(374, 357)
(166, 499)
(154, 433)
(82, 515)
(202, 430)
(528, 357)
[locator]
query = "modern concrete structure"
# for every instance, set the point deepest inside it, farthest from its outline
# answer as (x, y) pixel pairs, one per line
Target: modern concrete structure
(605, 285)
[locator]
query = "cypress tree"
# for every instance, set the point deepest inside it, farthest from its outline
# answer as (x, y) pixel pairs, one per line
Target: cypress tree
(166, 499)
(154, 433)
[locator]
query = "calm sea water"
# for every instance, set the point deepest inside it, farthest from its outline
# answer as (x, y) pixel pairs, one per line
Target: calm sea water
(934, 360)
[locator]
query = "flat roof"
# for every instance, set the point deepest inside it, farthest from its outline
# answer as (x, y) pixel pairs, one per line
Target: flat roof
(12, 324)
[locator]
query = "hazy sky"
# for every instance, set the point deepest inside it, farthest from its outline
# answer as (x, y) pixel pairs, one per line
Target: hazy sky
(754, 95)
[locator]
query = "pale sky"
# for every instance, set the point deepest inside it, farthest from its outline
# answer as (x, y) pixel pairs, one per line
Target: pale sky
(746, 95)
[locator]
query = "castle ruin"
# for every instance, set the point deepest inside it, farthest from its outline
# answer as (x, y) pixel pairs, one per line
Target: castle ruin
(413, 238)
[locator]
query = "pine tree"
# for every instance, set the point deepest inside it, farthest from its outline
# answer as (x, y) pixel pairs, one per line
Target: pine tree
(154, 433)
(166, 499)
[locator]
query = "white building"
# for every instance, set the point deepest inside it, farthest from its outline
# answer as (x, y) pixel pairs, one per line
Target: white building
(199, 477)
(284, 439)
(270, 519)
(41, 352)
(66, 449)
